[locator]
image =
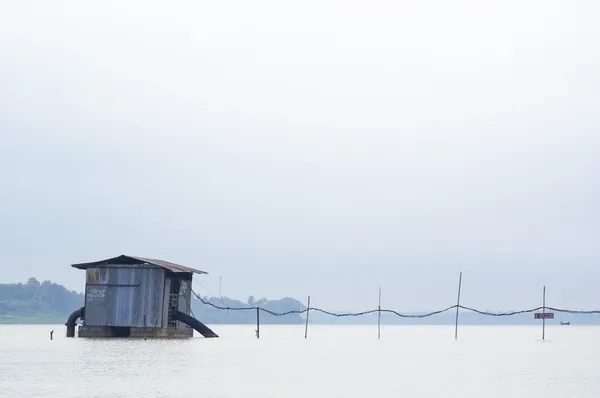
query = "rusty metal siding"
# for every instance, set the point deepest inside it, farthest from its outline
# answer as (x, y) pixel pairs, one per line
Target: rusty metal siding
(95, 305)
(131, 297)
(115, 276)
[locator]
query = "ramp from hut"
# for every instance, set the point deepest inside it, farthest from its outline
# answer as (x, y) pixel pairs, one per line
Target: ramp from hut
(194, 324)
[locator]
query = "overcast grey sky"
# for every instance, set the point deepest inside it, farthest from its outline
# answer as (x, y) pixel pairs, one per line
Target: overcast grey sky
(319, 147)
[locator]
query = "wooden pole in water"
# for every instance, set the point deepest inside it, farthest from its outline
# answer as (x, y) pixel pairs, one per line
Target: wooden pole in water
(457, 306)
(257, 323)
(307, 311)
(379, 316)
(543, 312)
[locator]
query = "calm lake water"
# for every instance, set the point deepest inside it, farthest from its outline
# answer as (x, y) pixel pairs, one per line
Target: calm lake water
(335, 361)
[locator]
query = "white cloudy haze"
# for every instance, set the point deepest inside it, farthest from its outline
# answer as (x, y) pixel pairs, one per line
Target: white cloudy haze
(315, 147)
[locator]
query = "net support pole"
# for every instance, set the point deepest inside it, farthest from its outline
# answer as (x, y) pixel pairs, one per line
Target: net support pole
(307, 311)
(457, 306)
(257, 322)
(543, 312)
(379, 315)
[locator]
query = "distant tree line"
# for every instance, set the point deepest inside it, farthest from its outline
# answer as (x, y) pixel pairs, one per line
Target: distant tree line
(35, 300)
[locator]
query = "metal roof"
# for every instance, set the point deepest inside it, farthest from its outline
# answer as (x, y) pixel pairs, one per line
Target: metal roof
(123, 259)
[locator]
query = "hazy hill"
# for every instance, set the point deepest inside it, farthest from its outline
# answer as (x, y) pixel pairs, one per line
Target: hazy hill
(211, 315)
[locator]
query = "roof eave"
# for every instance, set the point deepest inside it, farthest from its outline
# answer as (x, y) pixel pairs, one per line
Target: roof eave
(172, 267)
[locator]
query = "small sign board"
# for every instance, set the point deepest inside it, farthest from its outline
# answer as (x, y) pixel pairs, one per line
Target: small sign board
(544, 315)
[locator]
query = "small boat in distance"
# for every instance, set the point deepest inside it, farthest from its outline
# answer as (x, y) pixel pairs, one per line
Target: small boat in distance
(565, 323)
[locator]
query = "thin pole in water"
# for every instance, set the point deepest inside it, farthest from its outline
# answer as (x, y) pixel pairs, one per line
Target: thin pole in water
(457, 306)
(307, 311)
(257, 323)
(379, 316)
(543, 312)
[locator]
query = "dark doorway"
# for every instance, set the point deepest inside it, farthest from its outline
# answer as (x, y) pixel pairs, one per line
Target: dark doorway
(120, 331)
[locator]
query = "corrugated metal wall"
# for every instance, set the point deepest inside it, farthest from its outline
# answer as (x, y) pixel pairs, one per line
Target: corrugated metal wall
(123, 296)
(166, 293)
